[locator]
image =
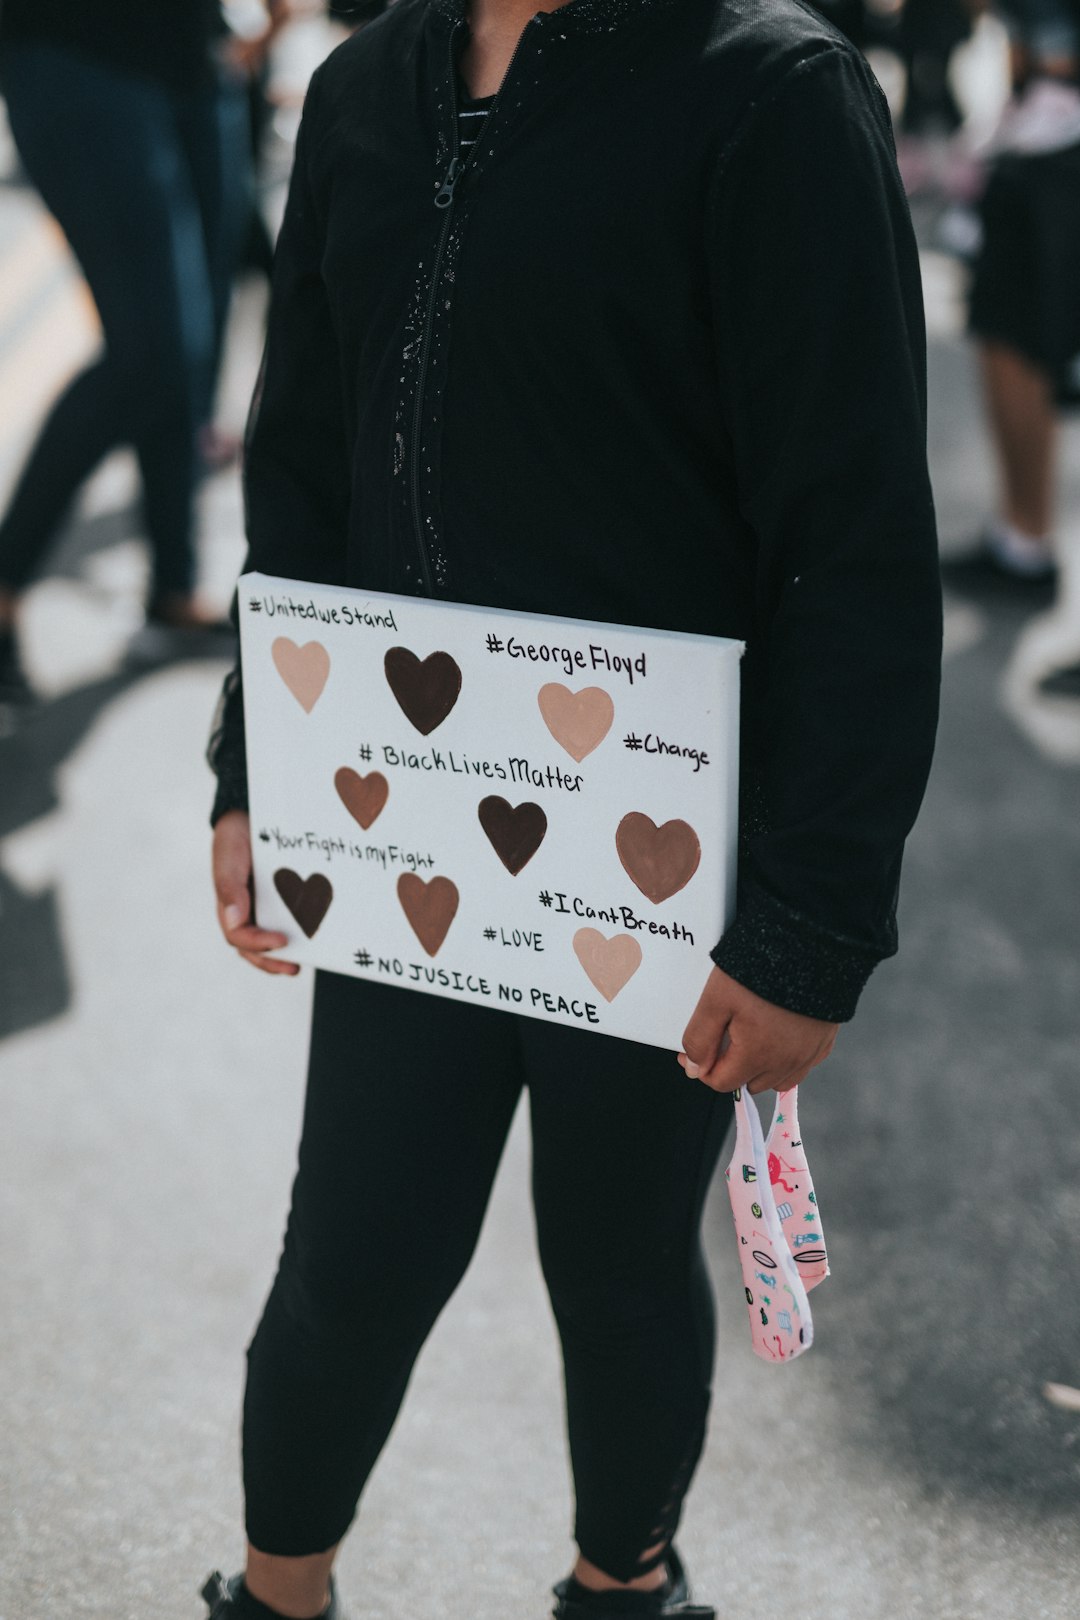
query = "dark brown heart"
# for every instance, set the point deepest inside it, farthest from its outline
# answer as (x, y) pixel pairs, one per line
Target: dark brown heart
(661, 860)
(426, 691)
(308, 899)
(430, 907)
(362, 796)
(515, 834)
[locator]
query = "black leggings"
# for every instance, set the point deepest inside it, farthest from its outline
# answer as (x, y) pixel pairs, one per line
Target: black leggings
(409, 1102)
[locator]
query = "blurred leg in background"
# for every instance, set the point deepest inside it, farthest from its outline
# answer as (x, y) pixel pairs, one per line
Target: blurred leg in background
(105, 150)
(1025, 294)
(927, 34)
(214, 130)
(1023, 422)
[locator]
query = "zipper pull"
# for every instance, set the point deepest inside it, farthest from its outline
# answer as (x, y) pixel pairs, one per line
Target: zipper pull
(445, 194)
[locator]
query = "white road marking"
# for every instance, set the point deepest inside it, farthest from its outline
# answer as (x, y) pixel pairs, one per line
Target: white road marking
(964, 627)
(1050, 642)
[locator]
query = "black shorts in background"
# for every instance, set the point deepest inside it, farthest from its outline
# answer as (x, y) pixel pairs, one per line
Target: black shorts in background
(1026, 284)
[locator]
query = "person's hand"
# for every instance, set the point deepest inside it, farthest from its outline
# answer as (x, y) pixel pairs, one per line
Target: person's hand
(736, 1038)
(232, 885)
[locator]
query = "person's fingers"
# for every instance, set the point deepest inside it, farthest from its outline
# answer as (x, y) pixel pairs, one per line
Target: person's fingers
(702, 1046)
(231, 869)
(709, 1047)
(232, 888)
(798, 1077)
(737, 1039)
(736, 1068)
(231, 856)
(270, 964)
(705, 1036)
(788, 1082)
(252, 944)
(233, 906)
(251, 938)
(752, 1087)
(769, 1082)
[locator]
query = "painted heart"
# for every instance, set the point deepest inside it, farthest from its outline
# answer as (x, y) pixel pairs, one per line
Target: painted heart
(308, 899)
(430, 907)
(362, 796)
(426, 691)
(303, 669)
(578, 721)
(660, 860)
(610, 963)
(515, 834)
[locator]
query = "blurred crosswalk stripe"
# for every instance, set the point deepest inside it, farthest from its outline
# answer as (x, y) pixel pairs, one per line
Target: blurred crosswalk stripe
(38, 251)
(48, 327)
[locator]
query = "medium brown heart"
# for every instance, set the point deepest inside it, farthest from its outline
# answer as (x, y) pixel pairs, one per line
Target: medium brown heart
(610, 963)
(660, 860)
(308, 899)
(430, 907)
(578, 721)
(362, 796)
(426, 691)
(514, 834)
(303, 669)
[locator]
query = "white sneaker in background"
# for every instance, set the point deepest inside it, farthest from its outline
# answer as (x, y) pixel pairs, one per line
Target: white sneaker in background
(1030, 556)
(1063, 1395)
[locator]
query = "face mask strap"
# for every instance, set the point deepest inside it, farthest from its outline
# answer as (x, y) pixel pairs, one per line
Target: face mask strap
(780, 1320)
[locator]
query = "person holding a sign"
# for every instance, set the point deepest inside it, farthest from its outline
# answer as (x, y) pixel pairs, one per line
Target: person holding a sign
(611, 312)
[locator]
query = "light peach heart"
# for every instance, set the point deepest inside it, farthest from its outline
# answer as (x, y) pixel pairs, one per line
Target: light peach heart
(578, 721)
(610, 963)
(303, 669)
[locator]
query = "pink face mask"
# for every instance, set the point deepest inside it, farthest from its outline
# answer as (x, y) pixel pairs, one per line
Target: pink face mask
(781, 1246)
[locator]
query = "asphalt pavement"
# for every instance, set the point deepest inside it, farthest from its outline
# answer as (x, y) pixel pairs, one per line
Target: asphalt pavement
(151, 1088)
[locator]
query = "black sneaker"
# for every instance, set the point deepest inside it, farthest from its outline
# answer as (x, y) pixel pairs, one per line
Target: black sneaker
(14, 686)
(227, 1600)
(161, 640)
(1062, 682)
(192, 629)
(673, 1599)
(980, 572)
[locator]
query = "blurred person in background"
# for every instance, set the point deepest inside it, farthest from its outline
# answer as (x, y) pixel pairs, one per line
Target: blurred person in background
(131, 123)
(254, 28)
(612, 313)
(926, 35)
(1025, 294)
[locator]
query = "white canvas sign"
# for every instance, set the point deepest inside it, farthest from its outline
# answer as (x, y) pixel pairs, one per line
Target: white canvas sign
(529, 813)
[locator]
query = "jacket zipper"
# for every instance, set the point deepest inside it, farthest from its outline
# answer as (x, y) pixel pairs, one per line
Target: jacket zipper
(444, 199)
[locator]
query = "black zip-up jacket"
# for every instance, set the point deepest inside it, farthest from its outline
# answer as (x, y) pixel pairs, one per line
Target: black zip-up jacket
(654, 354)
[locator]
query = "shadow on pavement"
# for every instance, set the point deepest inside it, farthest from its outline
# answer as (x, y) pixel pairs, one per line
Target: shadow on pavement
(35, 984)
(33, 962)
(84, 539)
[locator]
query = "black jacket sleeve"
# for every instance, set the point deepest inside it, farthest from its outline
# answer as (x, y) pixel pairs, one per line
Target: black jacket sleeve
(296, 458)
(821, 352)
